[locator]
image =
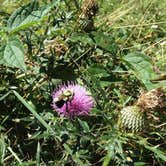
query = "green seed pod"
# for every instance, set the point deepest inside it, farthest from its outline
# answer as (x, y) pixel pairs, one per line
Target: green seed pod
(132, 119)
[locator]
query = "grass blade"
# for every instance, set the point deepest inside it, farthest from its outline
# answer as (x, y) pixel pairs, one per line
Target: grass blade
(14, 154)
(31, 109)
(38, 154)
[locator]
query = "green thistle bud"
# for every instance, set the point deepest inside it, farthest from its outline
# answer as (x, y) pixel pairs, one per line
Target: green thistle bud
(132, 119)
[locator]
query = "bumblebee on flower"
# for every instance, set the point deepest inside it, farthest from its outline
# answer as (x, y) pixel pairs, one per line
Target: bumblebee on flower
(72, 100)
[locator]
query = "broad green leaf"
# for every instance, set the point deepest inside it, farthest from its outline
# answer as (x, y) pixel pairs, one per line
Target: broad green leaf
(12, 54)
(141, 66)
(26, 16)
(105, 41)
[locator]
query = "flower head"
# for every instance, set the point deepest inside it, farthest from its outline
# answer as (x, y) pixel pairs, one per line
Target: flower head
(72, 100)
(152, 99)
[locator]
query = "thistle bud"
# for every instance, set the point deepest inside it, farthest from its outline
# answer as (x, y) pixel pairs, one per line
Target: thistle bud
(132, 119)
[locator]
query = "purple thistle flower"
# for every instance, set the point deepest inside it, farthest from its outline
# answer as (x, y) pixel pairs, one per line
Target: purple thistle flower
(72, 100)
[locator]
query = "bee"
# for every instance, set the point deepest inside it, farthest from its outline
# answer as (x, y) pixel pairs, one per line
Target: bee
(62, 99)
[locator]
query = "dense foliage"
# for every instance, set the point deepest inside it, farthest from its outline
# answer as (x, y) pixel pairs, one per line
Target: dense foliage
(115, 49)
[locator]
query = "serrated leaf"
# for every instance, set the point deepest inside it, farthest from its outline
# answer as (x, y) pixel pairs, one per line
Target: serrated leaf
(141, 66)
(26, 16)
(12, 54)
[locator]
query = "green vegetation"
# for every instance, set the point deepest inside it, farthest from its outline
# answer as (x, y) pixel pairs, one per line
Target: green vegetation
(117, 50)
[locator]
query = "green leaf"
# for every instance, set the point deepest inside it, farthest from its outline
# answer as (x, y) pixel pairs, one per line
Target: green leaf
(14, 155)
(12, 54)
(4, 96)
(2, 148)
(108, 158)
(160, 154)
(31, 109)
(84, 125)
(38, 154)
(80, 37)
(105, 83)
(141, 66)
(67, 149)
(98, 70)
(2, 48)
(139, 163)
(26, 16)
(105, 41)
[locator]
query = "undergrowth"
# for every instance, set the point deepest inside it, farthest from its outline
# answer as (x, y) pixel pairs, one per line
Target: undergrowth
(116, 54)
